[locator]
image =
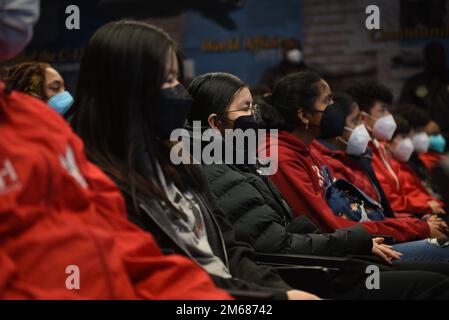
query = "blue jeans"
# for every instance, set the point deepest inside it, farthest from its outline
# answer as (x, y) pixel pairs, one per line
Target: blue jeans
(422, 250)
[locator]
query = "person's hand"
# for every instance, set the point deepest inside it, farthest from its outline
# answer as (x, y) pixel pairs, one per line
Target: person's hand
(432, 217)
(438, 228)
(301, 295)
(385, 252)
(435, 207)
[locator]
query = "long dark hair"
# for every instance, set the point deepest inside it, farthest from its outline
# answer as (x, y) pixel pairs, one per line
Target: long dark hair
(121, 74)
(213, 93)
(293, 92)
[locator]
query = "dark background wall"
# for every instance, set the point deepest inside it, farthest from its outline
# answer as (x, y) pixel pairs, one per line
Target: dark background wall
(242, 36)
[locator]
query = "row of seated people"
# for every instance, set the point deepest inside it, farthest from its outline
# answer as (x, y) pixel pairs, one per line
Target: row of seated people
(128, 232)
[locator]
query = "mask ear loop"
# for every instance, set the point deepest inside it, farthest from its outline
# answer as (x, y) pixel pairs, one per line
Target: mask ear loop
(372, 118)
(343, 140)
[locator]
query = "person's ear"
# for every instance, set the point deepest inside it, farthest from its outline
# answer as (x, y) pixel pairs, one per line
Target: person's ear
(213, 121)
(364, 118)
(302, 118)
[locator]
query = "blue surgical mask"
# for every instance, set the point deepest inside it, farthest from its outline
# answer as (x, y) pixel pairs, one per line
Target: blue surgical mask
(437, 143)
(61, 102)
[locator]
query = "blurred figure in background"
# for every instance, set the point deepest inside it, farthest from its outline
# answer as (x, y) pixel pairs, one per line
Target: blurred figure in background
(292, 61)
(41, 81)
(429, 89)
(437, 146)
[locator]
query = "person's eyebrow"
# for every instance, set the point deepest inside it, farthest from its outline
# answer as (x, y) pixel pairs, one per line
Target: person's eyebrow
(56, 82)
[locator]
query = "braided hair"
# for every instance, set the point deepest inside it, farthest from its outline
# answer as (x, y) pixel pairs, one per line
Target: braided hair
(28, 77)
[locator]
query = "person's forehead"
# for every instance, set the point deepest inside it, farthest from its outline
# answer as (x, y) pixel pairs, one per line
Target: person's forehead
(244, 95)
(52, 75)
(379, 105)
(324, 88)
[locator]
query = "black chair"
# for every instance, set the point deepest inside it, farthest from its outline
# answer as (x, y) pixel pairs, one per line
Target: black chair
(310, 273)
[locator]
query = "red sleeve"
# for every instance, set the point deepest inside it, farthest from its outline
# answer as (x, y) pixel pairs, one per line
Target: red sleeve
(305, 196)
(416, 194)
(431, 159)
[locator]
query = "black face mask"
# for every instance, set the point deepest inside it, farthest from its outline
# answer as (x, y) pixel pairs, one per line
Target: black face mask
(249, 155)
(172, 109)
(333, 122)
(248, 122)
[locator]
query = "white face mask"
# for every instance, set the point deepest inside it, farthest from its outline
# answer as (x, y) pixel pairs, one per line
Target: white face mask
(403, 150)
(17, 18)
(421, 142)
(358, 141)
(384, 128)
(295, 56)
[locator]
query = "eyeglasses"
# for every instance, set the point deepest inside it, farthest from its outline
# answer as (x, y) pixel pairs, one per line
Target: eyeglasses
(328, 100)
(249, 107)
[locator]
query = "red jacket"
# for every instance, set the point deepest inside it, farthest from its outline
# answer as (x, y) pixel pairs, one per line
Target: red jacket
(300, 180)
(431, 159)
(58, 210)
(345, 168)
(404, 190)
(417, 194)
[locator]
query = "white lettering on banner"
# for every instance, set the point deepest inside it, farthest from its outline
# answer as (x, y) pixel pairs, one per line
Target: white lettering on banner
(68, 162)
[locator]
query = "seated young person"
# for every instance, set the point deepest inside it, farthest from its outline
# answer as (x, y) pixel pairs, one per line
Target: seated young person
(437, 146)
(42, 81)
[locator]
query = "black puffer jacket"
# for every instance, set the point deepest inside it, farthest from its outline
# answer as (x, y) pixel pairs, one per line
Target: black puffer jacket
(262, 218)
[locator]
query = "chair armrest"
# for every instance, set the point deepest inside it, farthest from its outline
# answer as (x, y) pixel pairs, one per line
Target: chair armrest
(301, 260)
(316, 280)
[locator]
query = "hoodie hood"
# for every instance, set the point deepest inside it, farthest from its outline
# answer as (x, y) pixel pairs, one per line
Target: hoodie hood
(286, 145)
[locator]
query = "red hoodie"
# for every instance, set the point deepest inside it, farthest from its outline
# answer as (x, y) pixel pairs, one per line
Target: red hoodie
(402, 187)
(60, 214)
(300, 180)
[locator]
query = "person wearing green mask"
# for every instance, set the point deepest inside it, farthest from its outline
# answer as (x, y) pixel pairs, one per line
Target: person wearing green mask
(437, 146)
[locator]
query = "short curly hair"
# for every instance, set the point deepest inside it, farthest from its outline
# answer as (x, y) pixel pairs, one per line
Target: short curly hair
(367, 93)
